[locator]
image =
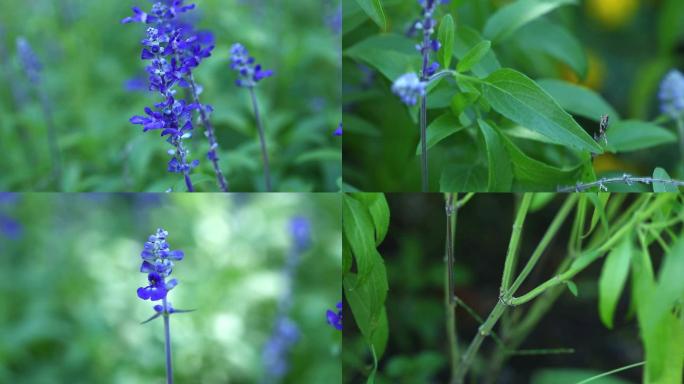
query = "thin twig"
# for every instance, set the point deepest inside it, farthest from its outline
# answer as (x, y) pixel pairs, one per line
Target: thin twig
(624, 179)
(262, 140)
(612, 372)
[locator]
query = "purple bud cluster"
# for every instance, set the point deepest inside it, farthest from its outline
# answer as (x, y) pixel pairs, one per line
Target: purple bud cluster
(250, 73)
(427, 25)
(410, 86)
(671, 94)
(158, 264)
(173, 49)
(335, 317)
(29, 61)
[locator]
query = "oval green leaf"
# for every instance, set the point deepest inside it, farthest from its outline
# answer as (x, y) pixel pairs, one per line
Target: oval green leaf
(500, 172)
(521, 100)
(373, 9)
(662, 174)
(474, 56)
(511, 17)
(446, 38)
(579, 100)
(632, 135)
(441, 128)
(612, 280)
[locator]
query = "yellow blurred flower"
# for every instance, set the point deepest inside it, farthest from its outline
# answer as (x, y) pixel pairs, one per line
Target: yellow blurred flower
(596, 72)
(612, 13)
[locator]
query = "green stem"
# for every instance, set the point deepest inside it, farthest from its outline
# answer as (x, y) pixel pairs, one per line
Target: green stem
(680, 129)
(543, 244)
(612, 372)
(513, 244)
(423, 144)
(449, 302)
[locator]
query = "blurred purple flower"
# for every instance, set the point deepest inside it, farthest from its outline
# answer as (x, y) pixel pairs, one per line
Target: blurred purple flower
(335, 318)
(671, 94)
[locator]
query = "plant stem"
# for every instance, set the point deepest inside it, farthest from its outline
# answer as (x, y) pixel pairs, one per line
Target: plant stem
(512, 253)
(209, 133)
(423, 144)
(449, 302)
(625, 179)
(626, 367)
(484, 330)
(167, 339)
(188, 183)
(262, 140)
(543, 244)
(52, 136)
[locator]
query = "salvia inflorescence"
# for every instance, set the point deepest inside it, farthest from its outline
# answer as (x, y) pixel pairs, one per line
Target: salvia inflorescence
(250, 73)
(174, 49)
(671, 94)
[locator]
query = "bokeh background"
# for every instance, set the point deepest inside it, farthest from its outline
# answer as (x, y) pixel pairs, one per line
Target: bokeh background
(629, 44)
(69, 271)
(417, 350)
(92, 77)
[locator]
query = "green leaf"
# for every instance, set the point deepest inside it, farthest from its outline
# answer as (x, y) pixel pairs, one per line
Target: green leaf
(513, 16)
(373, 9)
(572, 287)
(555, 41)
(320, 156)
(474, 56)
(379, 211)
(466, 39)
(441, 128)
(612, 280)
(360, 233)
(391, 54)
(579, 100)
(662, 174)
(367, 300)
(669, 25)
(535, 175)
(500, 172)
(599, 200)
(464, 178)
(631, 135)
(446, 38)
(520, 99)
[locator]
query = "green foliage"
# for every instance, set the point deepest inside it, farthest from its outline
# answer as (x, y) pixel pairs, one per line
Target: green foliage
(612, 281)
(88, 56)
(535, 70)
(365, 222)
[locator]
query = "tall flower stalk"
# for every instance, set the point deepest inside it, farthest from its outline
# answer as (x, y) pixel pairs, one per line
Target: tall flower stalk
(33, 69)
(174, 50)
(411, 87)
(158, 264)
(249, 75)
(285, 332)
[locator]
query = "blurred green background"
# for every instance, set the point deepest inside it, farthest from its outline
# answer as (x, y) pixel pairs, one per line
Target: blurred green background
(69, 271)
(89, 57)
(629, 45)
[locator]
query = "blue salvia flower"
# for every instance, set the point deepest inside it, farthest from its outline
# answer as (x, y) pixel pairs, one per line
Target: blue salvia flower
(338, 131)
(285, 332)
(671, 94)
(158, 264)
(250, 73)
(409, 88)
(334, 318)
(29, 61)
(173, 50)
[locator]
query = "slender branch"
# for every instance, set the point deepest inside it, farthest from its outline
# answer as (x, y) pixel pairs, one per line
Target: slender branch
(262, 140)
(624, 179)
(626, 367)
(543, 244)
(167, 339)
(423, 143)
(449, 302)
(209, 133)
(513, 244)
(52, 135)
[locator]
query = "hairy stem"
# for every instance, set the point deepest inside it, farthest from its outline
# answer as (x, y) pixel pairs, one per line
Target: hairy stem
(625, 179)
(262, 140)
(167, 339)
(211, 136)
(449, 302)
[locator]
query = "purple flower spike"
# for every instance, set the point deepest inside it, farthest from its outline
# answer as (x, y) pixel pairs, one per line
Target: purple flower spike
(335, 318)
(157, 264)
(338, 131)
(671, 94)
(250, 73)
